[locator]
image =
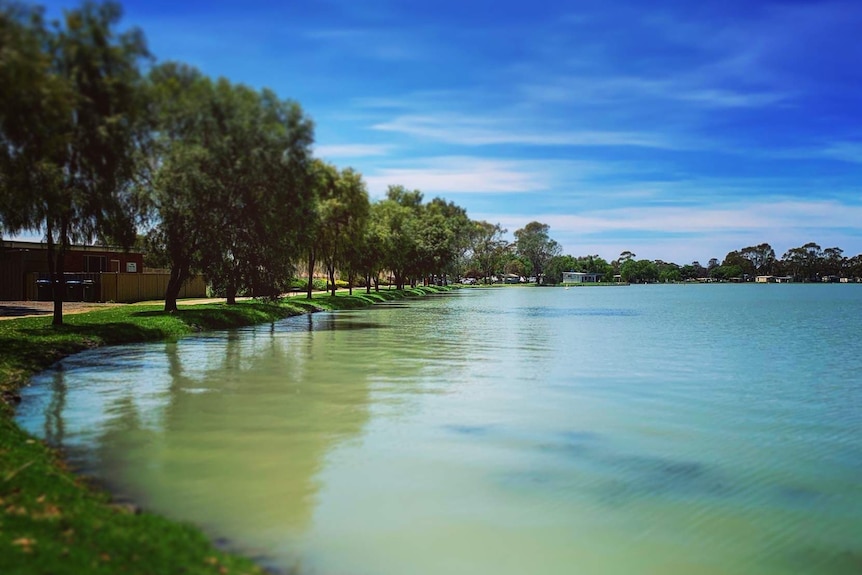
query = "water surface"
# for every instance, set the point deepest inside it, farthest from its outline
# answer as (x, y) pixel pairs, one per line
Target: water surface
(642, 429)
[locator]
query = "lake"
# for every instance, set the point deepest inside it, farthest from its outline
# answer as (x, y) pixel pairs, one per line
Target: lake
(710, 429)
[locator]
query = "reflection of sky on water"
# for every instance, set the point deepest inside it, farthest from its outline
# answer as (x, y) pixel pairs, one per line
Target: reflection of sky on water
(623, 430)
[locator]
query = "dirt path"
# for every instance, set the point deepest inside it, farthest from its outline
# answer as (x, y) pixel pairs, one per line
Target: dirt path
(15, 309)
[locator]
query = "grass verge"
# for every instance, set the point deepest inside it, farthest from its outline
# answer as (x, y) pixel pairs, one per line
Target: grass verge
(52, 521)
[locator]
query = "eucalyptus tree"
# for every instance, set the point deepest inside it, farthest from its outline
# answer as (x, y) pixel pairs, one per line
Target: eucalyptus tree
(761, 258)
(343, 216)
(261, 153)
(71, 125)
(180, 179)
(398, 214)
(532, 241)
(230, 182)
(833, 261)
(374, 244)
(559, 264)
(488, 247)
(449, 252)
(321, 186)
(803, 262)
(639, 271)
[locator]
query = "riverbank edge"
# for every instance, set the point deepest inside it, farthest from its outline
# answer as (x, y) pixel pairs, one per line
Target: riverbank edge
(55, 521)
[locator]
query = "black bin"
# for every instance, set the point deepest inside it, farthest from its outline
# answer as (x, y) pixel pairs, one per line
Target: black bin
(74, 290)
(89, 290)
(43, 290)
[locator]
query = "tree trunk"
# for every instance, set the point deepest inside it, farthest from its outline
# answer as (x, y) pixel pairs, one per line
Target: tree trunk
(179, 274)
(56, 270)
(368, 283)
(331, 269)
(231, 294)
(310, 272)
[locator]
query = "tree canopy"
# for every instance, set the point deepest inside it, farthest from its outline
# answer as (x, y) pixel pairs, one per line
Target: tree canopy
(72, 121)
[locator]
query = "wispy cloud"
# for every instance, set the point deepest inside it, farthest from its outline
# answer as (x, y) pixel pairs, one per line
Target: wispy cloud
(471, 131)
(614, 90)
(462, 175)
(382, 44)
(844, 151)
(743, 216)
(351, 150)
(685, 233)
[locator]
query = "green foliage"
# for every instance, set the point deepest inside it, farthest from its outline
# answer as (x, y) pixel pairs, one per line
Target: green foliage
(231, 188)
(557, 265)
(532, 242)
(342, 214)
(489, 248)
(639, 271)
(71, 129)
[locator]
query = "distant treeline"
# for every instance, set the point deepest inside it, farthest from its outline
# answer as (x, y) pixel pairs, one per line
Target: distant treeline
(807, 263)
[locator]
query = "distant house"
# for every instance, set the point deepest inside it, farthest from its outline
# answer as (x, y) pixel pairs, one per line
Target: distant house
(764, 279)
(580, 277)
(511, 278)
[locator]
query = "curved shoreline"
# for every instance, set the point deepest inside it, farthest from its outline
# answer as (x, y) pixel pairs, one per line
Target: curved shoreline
(52, 520)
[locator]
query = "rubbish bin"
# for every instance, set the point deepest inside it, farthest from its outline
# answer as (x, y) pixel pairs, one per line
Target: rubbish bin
(43, 290)
(89, 290)
(74, 290)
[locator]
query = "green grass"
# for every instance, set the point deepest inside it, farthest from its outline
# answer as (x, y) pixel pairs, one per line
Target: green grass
(52, 521)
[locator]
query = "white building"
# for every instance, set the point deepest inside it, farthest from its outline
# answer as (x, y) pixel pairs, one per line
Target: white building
(580, 278)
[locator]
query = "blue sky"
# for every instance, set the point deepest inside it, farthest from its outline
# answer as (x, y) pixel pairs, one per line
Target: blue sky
(678, 130)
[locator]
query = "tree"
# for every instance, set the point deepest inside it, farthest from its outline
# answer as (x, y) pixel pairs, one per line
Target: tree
(833, 261)
(804, 262)
(559, 264)
(260, 154)
(737, 263)
(450, 254)
(343, 215)
(639, 271)
(488, 247)
(71, 124)
(230, 183)
(761, 258)
(397, 213)
(532, 242)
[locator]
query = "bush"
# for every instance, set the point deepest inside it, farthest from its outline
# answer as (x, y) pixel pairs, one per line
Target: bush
(301, 284)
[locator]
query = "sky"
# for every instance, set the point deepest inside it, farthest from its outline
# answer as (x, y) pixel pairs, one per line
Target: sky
(677, 130)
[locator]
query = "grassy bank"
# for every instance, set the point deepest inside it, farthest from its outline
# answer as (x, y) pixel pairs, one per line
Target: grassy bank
(52, 521)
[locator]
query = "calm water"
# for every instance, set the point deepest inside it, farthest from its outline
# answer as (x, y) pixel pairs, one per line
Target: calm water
(643, 429)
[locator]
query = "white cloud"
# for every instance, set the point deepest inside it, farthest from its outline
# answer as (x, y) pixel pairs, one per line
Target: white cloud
(351, 150)
(759, 215)
(613, 90)
(844, 151)
(462, 175)
(472, 131)
(682, 234)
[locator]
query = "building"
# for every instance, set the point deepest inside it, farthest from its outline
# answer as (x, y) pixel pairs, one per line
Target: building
(24, 269)
(580, 277)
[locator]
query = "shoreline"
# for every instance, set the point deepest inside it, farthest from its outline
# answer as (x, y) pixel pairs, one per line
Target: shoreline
(54, 520)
